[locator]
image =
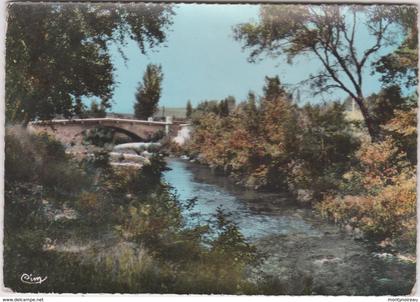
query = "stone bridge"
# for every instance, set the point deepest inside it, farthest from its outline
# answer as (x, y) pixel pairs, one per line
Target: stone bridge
(70, 131)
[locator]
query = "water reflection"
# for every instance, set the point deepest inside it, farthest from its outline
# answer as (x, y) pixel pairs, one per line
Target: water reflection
(294, 240)
(254, 218)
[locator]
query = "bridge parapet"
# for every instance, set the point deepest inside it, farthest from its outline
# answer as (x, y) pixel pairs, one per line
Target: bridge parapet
(71, 130)
(98, 120)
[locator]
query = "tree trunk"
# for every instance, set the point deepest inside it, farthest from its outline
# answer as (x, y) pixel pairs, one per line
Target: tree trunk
(370, 123)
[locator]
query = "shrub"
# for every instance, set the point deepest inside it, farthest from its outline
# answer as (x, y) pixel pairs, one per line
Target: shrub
(325, 149)
(138, 241)
(42, 160)
(386, 207)
(99, 136)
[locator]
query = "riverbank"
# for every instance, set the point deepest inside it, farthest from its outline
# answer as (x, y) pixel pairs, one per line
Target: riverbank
(365, 184)
(89, 227)
(184, 230)
(297, 244)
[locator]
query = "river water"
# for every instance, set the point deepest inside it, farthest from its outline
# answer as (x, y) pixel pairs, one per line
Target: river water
(302, 253)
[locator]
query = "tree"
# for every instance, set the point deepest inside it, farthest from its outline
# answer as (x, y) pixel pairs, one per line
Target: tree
(400, 67)
(231, 103)
(148, 92)
(208, 106)
(278, 115)
(223, 108)
(383, 104)
(327, 32)
(189, 110)
(252, 120)
(251, 101)
(325, 147)
(97, 110)
(56, 53)
(79, 108)
(272, 88)
(403, 129)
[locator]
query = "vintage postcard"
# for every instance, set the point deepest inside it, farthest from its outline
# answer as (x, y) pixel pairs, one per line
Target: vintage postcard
(210, 148)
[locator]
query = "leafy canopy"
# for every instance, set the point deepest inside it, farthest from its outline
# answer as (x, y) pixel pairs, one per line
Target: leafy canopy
(400, 67)
(58, 53)
(329, 33)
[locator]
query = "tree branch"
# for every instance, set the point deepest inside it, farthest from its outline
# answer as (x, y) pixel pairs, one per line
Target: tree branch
(332, 46)
(331, 71)
(379, 36)
(352, 50)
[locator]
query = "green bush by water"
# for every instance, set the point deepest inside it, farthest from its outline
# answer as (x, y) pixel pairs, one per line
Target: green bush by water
(98, 230)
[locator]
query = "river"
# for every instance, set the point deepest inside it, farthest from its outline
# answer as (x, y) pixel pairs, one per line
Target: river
(302, 253)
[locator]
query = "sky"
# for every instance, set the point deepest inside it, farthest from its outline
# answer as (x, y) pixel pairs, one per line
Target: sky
(202, 61)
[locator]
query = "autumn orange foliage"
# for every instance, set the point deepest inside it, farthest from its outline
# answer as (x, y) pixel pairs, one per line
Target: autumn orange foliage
(384, 206)
(314, 152)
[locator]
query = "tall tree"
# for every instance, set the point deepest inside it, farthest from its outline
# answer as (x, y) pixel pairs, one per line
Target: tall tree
(252, 114)
(231, 103)
(223, 108)
(272, 88)
(189, 109)
(148, 92)
(57, 53)
(329, 33)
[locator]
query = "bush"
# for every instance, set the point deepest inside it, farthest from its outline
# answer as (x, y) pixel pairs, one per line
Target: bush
(99, 136)
(278, 145)
(386, 205)
(130, 221)
(254, 151)
(326, 148)
(41, 160)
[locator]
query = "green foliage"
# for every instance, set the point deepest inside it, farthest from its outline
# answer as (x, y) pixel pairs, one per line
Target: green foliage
(98, 160)
(149, 92)
(97, 110)
(189, 110)
(106, 137)
(377, 195)
(98, 136)
(221, 108)
(327, 33)
(273, 88)
(276, 144)
(156, 136)
(204, 108)
(230, 241)
(325, 149)
(136, 182)
(39, 159)
(383, 104)
(403, 129)
(384, 204)
(207, 107)
(401, 65)
(130, 222)
(57, 53)
(252, 113)
(315, 152)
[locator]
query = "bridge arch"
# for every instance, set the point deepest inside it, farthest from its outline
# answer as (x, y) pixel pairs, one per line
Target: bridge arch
(133, 136)
(71, 131)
